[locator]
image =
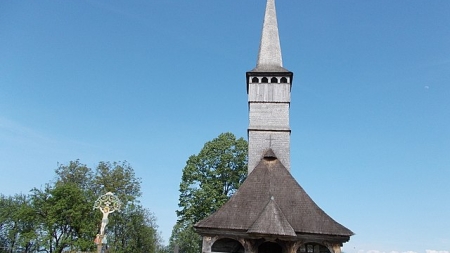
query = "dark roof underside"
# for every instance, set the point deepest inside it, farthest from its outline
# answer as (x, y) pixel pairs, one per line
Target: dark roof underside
(269, 69)
(270, 201)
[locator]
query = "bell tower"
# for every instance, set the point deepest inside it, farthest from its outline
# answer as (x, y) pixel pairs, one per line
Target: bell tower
(269, 96)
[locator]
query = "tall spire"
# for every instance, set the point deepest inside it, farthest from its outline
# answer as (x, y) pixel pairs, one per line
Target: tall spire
(269, 57)
(269, 97)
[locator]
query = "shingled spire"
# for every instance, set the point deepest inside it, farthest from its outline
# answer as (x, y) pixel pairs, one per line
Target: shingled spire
(269, 97)
(269, 57)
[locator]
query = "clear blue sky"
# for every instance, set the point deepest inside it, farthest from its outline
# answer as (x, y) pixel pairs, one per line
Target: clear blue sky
(151, 81)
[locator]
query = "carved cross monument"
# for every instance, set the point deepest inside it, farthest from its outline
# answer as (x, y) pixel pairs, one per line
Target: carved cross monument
(107, 203)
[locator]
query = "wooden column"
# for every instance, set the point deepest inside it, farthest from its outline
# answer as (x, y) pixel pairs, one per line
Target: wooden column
(337, 248)
(207, 244)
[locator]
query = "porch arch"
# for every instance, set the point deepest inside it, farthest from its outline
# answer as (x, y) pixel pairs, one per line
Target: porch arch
(313, 247)
(227, 245)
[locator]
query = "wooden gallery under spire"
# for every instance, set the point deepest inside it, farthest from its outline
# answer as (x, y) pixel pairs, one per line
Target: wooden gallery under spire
(270, 213)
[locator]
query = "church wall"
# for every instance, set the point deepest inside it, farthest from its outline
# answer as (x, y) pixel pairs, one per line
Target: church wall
(262, 140)
(269, 92)
(269, 116)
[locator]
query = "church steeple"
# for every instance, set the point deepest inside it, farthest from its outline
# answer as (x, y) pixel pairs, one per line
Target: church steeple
(269, 55)
(269, 97)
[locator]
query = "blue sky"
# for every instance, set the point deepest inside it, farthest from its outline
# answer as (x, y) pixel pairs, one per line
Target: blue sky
(150, 82)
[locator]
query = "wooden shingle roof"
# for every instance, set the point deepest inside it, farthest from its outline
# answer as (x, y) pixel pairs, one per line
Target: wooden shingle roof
(271, 202)
(269, 56)
(272, 221)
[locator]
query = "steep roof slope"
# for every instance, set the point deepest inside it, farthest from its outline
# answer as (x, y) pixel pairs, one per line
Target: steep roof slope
(270, 201)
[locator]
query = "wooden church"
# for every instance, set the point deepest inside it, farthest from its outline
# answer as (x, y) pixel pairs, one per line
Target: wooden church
(270, 213)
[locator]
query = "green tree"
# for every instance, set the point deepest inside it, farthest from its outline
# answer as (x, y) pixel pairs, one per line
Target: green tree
(65, 217)
(134, 229)
(80, 177)
(60, 217)
(119, 178)
(212, 176)
(208, 181)
(185, 238)
(75, 173)
(17, 224)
